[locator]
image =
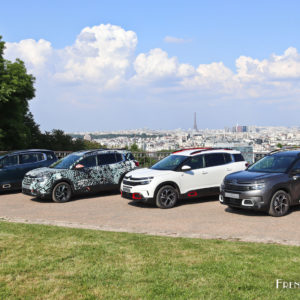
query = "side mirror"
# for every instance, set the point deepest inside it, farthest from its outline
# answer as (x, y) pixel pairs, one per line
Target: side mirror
(185, 168)
(79, 167)
(295, 172)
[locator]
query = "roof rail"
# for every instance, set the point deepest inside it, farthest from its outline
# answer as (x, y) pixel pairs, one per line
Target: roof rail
(185, 149)
(200, 149)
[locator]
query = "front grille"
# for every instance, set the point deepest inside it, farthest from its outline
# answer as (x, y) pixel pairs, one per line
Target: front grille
(232, 201)
(131, 183)
(236, 187)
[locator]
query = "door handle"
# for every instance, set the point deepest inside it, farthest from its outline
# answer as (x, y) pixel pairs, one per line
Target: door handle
(204, 172)
(228, 169)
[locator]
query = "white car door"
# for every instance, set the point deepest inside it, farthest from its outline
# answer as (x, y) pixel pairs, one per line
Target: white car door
(196, 178)
(217, 168)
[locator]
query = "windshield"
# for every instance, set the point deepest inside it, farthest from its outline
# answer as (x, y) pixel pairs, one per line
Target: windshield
(272, 164)
(169, 163)
(66, 162)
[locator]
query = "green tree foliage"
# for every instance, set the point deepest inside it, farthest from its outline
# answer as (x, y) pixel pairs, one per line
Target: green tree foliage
(16, 89)
(279, 145)
(18, 129)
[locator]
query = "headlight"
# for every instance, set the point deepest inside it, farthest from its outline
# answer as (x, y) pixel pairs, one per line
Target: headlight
(42, 179)
(257, 186)
(146, 181)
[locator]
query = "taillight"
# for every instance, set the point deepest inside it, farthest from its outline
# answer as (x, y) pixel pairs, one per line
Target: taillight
(137, 163)
(246, 165)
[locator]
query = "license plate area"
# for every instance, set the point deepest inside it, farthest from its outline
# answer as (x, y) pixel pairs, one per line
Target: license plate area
(126, 189)
(232, 195)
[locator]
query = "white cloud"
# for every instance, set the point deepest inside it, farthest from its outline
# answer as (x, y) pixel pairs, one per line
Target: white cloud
(103, 60)
(175, 40)
(100, 54)
(35, 54)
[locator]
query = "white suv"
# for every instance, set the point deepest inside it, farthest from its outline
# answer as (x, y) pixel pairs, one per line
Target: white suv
(187, 173)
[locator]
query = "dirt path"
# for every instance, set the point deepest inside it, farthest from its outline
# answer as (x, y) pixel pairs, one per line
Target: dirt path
(204, 218)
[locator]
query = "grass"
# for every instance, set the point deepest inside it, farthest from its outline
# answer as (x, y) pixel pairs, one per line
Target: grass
(48, 262)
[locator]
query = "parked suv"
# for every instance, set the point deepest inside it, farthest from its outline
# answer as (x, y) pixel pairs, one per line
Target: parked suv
(13, 166)
(188, 173)
(272, 184)
(79, 172)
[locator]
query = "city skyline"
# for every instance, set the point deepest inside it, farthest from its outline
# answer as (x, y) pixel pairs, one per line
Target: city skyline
(123, 64)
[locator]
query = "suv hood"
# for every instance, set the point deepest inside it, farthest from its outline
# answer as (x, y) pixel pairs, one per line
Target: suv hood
(140, 173)
(247, 176)
(43, 172)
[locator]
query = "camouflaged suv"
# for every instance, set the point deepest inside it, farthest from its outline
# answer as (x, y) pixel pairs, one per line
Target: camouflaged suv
(80, 172)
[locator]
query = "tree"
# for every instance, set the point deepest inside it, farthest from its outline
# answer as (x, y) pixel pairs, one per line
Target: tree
(16, 89)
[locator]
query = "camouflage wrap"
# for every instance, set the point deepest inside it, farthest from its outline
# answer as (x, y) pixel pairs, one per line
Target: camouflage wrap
(40, 182)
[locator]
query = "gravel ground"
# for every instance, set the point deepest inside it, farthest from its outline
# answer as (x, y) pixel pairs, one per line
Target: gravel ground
(204, 218)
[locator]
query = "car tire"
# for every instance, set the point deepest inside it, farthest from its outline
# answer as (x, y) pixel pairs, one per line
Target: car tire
(62, 192)
(279, 204)
(166, 197)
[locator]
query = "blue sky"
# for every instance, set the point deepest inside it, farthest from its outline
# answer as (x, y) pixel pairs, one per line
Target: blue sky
(107, 65)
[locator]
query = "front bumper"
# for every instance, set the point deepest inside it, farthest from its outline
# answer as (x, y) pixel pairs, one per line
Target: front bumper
(254, 200)
(136, 193)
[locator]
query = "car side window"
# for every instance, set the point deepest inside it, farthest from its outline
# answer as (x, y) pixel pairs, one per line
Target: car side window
(106, 159)
(195, 162)
(238, 157)
(214, 159)
(227, 157)
(10, 161)
(296, 165)
(89, 162)
(129, 156)
(28, 158)
(50, 156)
(40, 156)
(119, 157)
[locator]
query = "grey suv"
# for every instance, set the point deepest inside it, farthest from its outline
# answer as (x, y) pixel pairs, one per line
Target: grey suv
(272, 184)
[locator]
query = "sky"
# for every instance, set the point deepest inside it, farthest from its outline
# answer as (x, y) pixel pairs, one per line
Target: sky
(113, 65)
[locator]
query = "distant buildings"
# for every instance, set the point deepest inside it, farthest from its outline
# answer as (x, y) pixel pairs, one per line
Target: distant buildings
(253, 141)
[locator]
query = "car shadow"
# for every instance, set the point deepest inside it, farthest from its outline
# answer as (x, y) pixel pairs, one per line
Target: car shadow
(10, 192)
(254, 213)
(79, 197)
(181, 202)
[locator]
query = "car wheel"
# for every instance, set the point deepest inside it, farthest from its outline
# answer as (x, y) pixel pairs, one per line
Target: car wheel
(280, 204)
(166, 197)
(62, 192)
